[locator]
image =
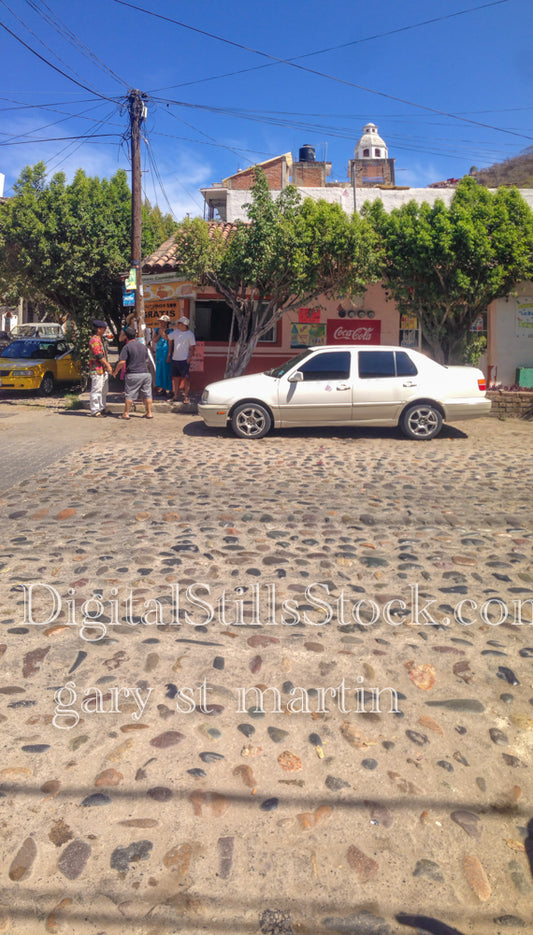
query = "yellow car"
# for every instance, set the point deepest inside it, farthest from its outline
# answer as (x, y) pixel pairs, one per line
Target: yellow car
(38, 364)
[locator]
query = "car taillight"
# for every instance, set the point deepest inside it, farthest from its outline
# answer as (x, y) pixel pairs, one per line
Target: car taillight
(482, 384)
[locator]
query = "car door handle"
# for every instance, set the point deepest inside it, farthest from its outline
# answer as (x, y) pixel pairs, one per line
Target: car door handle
(409, 383)
(343, 386)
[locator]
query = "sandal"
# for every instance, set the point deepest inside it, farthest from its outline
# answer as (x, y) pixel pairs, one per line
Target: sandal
(147, 417)
(123, 417)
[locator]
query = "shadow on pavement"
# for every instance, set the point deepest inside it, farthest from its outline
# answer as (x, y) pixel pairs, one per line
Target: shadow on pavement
(198, 429)
(427, 924)
(529, 845)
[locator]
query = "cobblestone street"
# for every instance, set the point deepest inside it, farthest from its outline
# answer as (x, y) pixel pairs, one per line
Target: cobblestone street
(378, 591)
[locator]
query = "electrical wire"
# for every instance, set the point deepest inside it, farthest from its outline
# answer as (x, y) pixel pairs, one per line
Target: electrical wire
(80, 116)
(38, 38)
(55, 139)
(344, 133)
(157, 175)
(212, 139)
(69, 150)
(335, 48)
(63, 30)
(321, 74)
(80, 85)
(22, 106)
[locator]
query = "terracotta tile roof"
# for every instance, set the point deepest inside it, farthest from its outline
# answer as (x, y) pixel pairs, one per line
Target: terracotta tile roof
(164, 259)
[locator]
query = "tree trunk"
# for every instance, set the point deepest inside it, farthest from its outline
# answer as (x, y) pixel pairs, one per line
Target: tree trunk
(240, 355)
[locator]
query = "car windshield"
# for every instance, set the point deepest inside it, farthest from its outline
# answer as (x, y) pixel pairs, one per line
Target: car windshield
(32, 350)
(24, 331)
(284, 368)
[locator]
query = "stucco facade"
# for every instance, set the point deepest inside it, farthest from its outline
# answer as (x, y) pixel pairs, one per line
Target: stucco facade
(344, 196)
(510, 336)
(369, 318)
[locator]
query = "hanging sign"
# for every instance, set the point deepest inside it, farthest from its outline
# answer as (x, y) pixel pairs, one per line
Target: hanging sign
(128, 298)
(308, 316)
(197, 362)
(131, 281)
(524, 318)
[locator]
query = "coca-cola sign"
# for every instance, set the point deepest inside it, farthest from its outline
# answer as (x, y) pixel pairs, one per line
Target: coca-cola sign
(353, 332)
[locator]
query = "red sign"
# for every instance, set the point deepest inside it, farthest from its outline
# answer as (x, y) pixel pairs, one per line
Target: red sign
(308, 316)
(353, 332)
(197, 361)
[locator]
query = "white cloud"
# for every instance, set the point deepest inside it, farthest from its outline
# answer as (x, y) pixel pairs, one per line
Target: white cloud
(419, 175)
(182, 173)
(181, 170)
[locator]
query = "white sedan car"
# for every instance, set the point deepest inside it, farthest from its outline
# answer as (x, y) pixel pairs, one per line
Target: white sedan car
(348, 385)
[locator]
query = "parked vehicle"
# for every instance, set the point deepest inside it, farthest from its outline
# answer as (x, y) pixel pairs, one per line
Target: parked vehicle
(348, 385)
(5, 339)
(37, 329)
(38, 364)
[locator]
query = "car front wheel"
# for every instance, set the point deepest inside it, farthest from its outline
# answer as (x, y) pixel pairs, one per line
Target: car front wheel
(421, 422)
(47, 385)
(251, 420)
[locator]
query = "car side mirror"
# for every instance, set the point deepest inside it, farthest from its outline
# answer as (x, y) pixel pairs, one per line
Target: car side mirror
(296, 377)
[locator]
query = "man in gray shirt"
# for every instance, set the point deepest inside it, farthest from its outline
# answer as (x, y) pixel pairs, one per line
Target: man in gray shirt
(138, 380)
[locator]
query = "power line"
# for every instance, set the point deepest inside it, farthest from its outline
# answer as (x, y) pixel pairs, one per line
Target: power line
(210, 138)
(334, 48)
(80, 85)
(259, 117)
(38, 38)
(22, 106)
(321, 74)
(56, 139)
(63, 30)
(157, 175)
(69, 149)
(55, 123)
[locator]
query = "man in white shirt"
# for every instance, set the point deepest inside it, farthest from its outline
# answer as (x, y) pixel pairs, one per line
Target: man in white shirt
(181, 348)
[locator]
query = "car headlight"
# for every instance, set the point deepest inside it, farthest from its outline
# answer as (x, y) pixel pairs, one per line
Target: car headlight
(205, 396)
(24, 373)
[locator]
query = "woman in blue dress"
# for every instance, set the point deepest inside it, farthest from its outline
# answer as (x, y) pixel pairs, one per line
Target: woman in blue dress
(163, 379)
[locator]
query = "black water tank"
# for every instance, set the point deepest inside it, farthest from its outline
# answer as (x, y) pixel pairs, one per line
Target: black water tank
(307, 154)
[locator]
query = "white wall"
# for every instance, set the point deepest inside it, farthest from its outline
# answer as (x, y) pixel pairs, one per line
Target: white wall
(511, 342)
(344, 196)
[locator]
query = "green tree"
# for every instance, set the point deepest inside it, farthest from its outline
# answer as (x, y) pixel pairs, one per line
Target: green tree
(287, 255)
(65, 245)
(447, 264)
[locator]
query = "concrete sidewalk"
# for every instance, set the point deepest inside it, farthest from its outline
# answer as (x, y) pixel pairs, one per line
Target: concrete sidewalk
(115, 403)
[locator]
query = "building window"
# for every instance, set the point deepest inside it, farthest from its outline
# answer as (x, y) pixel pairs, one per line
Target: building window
(366, 152)
(378, 154)
(212, 322)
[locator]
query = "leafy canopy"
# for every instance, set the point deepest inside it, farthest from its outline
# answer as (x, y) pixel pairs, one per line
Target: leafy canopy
(288, 254)
(446, 265)
(65, 245)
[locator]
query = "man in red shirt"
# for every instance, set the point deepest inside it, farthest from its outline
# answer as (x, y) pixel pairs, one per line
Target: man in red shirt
(99, 368)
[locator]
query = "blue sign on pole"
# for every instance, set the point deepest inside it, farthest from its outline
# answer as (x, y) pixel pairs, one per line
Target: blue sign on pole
(128, 298)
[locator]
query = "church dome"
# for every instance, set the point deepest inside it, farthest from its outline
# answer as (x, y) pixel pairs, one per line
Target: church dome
(371, 145)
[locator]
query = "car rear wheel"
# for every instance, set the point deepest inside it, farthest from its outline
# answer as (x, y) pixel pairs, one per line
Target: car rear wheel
(421, 422)
(47, 385)
(251, 420)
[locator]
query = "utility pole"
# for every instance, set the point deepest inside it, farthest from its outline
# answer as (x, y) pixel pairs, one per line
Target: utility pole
(137, 112)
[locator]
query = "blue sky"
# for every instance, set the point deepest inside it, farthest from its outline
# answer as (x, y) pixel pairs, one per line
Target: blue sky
(445, 95)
